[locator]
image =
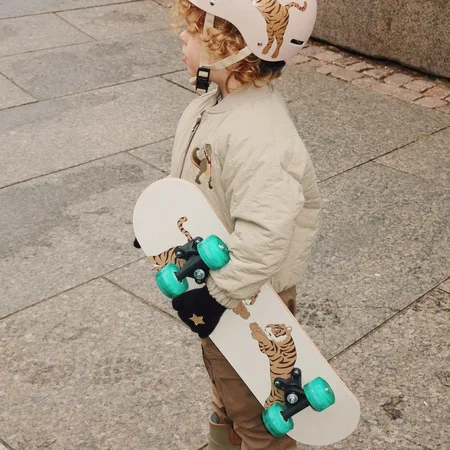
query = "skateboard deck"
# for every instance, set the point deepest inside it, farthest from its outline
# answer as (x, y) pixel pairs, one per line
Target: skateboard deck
(254, 336)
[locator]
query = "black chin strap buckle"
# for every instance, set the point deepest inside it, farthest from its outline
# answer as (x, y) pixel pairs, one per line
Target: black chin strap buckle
(202, 82)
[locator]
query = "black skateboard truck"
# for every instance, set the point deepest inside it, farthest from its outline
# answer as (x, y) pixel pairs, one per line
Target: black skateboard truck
(294, 395)
(195, 267)
(201, 256)
(316, 394)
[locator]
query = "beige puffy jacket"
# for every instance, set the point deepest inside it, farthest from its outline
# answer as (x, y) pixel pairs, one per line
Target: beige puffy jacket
(246, 156)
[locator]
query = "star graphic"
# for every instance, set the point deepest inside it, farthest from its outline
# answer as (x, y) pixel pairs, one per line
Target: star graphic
(198, 320)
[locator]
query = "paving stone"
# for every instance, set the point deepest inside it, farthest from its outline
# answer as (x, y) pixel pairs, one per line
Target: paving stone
(386, 89)
(311, 65)
(401, 376)
(398, 79)
(26, 34)
(365, 82)
(311, 50)
(445, 109)
(16, 8)
(12, 95)
(67, 228)
(424, 158)
(299, 59)
(419, 85)
(48, 136)
(345, 74)
(346, 126)
(431, 102)
(346, 61)
(158, 154)
(378, 74)
(445, 286)
(327, 56)
(58, 72)
(327, 70)
(94, 368)
(359, 67)
(182, 78)
(165, 3)
(438, 92)
(339, 72)
(139, 278)
(296, 83)
(382, 243)
(407, 95)
(119, 20)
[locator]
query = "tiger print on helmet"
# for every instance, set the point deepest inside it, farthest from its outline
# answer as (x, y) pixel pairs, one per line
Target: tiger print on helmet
(276, 16)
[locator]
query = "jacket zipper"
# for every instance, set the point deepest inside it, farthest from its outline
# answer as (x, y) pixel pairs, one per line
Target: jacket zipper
(191, 137)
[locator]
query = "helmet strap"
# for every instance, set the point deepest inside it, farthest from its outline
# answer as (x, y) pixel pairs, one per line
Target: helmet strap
(202, 80)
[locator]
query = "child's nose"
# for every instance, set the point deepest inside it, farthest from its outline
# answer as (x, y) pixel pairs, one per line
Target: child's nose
(183, 37)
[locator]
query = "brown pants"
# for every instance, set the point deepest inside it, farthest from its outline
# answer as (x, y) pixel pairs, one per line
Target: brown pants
(233, 402)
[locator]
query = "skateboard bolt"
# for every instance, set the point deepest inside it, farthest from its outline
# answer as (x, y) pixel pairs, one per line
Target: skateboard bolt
(199, 274)
(292, 399)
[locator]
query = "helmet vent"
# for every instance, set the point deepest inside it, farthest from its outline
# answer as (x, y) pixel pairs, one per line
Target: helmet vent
(297, 42)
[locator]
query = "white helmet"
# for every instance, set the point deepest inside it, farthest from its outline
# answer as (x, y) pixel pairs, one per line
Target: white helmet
(273, 30)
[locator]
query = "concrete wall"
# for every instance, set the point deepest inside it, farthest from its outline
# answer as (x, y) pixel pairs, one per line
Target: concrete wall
(415, 33)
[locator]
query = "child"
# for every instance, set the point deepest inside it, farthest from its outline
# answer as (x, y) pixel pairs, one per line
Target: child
(239, 145)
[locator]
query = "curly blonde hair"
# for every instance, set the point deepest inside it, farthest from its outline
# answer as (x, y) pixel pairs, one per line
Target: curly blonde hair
(223, 40)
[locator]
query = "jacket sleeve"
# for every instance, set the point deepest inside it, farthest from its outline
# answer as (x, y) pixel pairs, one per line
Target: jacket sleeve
(265, 198)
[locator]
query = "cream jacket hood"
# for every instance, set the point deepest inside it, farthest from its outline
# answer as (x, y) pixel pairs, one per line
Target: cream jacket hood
(246, 156)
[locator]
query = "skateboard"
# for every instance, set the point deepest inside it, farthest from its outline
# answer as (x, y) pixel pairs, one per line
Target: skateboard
(302, 395)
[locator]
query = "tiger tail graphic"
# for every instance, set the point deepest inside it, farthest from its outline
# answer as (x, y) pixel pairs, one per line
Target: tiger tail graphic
(242, 310)
(168, 256)
(276, 16)
(276, 342)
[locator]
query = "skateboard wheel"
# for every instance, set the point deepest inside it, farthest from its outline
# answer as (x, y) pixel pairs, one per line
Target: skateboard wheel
(274, 421)
(213, 252)
(319, 394)
(168, 283)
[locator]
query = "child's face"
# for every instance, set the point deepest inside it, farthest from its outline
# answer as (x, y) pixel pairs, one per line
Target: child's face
(192, 47)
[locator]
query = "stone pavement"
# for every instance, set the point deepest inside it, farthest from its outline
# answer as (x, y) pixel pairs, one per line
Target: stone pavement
(91, 356)
(384, 77)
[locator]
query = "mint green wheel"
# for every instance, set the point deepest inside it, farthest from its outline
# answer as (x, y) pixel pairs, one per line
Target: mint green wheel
(213, 252)
(274, 421)
(168, 282)
(319, 394)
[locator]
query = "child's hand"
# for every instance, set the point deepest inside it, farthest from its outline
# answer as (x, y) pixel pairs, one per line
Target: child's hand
(199, 311)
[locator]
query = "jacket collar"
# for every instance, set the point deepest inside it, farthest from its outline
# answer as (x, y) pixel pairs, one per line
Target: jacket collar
(239, 97)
